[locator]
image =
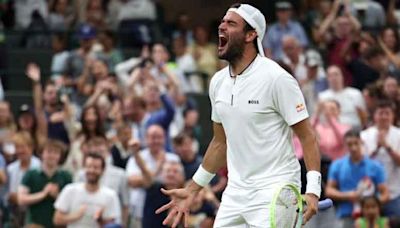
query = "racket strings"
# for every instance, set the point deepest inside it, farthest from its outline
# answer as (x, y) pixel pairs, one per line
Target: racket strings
(286, 209)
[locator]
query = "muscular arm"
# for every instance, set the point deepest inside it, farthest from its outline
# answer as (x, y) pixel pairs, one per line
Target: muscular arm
(215, 157)
(309, 144)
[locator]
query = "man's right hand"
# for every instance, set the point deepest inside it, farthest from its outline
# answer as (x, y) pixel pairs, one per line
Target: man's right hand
(181, 199)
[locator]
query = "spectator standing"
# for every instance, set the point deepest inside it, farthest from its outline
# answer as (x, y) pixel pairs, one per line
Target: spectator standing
(382, 142)
(369, 68)
(60, 56)
(390, 43)
(171, 176)
(61, 16)
(284, 26)
(92, 126)
(88, 204)
(120, 150)
(49, 107)
(113, 177)
(16, 170)
(109, 52)
(154, 157)
(352, 105)
(40, 187)
(203, 51)
(347, 176)
(339, 42)
(78, 57)
(330, 130)
(155, 107)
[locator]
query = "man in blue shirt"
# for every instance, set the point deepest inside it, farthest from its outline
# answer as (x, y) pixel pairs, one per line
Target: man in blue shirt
(284, 26)
(346, 176)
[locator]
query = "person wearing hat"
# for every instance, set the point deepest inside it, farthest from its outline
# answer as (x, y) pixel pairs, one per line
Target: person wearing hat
(255, 106)
(284, 26)
(78, 57)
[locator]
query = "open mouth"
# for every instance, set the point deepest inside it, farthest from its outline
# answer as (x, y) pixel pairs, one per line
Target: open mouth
(222, 41)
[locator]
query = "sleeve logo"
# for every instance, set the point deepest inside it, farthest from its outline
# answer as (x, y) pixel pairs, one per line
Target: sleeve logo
(300, 107)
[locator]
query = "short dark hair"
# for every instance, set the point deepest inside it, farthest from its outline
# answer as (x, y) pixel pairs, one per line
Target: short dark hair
(178, 140)
(352, 133)
(97, 157)
(58, 146)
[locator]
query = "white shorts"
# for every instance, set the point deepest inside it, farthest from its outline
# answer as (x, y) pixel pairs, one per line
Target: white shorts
(242, 208)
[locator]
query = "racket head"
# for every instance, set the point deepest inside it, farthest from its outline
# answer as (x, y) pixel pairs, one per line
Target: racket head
(286, 208)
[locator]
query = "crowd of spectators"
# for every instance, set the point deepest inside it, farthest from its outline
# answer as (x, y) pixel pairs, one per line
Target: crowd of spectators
(107, 131)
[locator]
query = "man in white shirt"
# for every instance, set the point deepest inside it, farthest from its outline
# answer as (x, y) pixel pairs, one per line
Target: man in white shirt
(113, 177)
(88, 204)
(382, 142)
(255, 107)
(352, 105)
(154, 156)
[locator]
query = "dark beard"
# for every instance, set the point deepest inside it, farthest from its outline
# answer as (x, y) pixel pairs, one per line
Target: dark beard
(234, 51)
(93, 181)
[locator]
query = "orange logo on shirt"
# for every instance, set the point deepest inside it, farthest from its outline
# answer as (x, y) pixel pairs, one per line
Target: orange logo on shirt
(300, 107)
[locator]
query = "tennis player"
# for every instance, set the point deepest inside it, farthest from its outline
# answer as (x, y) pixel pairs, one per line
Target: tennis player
(256, 105)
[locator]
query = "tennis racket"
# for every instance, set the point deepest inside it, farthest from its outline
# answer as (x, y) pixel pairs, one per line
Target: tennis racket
(287, 207)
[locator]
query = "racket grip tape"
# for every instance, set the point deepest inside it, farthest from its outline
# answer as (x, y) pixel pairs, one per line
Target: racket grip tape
(325, 204)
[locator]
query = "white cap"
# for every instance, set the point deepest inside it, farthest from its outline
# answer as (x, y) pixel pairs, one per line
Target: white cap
(255, 19)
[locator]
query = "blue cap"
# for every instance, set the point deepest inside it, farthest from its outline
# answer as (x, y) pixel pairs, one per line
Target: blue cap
(86, 32)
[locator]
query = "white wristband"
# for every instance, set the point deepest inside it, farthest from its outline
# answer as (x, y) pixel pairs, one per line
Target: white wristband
(202, 177)
(314, 183)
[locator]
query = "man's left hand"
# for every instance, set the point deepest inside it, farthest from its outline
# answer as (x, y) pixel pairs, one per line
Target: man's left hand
(312, 207)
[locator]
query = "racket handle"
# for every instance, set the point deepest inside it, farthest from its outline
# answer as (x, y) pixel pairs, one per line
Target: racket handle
(325, 204)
